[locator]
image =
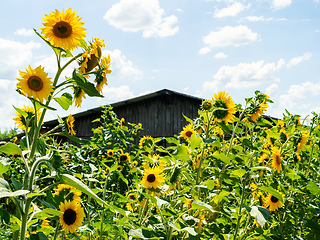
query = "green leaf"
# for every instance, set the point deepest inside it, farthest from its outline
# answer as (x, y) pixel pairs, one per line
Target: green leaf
(211, 184)
(248, 144)
(222, 195)
(4, 166)
(85, 85)
(72, 181)
(222, 157)
(10, 149)
(272, 191)
(18, 185)
(313, 188)
(41, 105)
(160, 202)
(73, 138)
(5, 215)
(260, 213)
(13, 194)
(181, 153)
(140, 233)
(67, 54)
(47, 212)
(239, 172)
(57, 50)
(195, 141)
(190, 230)
(20, 111)
(65, 101)
(201, 205)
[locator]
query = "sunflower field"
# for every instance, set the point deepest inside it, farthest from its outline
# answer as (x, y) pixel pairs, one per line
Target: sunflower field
(232, 173)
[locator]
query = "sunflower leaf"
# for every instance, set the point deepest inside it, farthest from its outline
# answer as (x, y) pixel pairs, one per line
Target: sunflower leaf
(65, 101)
(272, 191)
(85, 85)
(261, 214)
(10, 149)
(57, 50)
(20, 111)
(202, 205)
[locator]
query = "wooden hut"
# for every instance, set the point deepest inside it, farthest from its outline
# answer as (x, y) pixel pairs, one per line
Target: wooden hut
(160, 113)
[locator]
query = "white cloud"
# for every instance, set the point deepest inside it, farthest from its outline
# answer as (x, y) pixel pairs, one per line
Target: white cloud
(230, 11)
(297, 60)
(246, 75)
(272, 90)
(277, 4)
(230, 36)
(15, 54)
(220, 55)
(204, 50)
(123, 67)
(257, 19)
(142, 15)
(116, 94)
(24, 32)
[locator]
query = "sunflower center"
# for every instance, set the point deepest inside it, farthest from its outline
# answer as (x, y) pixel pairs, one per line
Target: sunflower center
(277, 159)
(35, 83)
(274, 199)
(69, 216)
(151, 178)
(62, 29)
(188, 133)
(223, 111)
(123, 158)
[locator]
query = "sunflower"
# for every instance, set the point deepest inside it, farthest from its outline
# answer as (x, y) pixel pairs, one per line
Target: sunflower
(303, 141)
(146, 141)
(187, 132)
(78, 96)
(91, 57)
(110, 153)
(187, 202)
(102, 80)
(263, 159)
(63, 29)
(206, 105)
(224, 107)
(152, 177)
(134, 164)
(122, 122)
(21, 121)
(124, 157)
(76, 194)
(273, 203)
(35, 83)
(70, 121)
(119, 168)
(258, 113)
(276, 159)
(72, 216)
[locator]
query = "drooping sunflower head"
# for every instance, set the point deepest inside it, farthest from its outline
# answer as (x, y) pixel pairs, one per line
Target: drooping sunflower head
(276, 159)
(72, 216)
(152, 177)
(78, 94)
(187, 132)
(63, 29)
(35, 83)
(70, 121)
(91, 56)
(146, 142)
(206, 105)
(223, 107)
(273, 203)
(302, 141)
(102, 71)
(21, 121)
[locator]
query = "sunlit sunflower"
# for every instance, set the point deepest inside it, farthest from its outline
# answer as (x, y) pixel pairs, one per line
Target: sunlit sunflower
(134, 164)
(152, 177)
(146, 142)
(63, 29)
(104, 67)
(263, 159)
(110, 153)
(122, 122)
(273, 203)
(187, 132)
(76, 194)
(70, 121)
(187, 202)
(258, 113)
(119, 168)
(91, 57)
(79, 94)
(35, 83)
(224, 107)
(125, 157)
(72, 216)
(303, 141)
(21, 121)
(276, 159)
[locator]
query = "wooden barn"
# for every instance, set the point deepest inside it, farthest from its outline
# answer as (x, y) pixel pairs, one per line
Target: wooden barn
(160, 113)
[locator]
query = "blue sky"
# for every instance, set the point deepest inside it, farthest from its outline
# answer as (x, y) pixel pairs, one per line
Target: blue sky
(198, 47)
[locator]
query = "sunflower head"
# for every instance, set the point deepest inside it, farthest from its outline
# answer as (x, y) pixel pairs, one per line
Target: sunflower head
(119, 168)
(276, 159)
(223, 107)
(110, 153)
(187, 132)
(146, 142)
(273, 203)
(22, 121)
(63, 29)
(69, 122)
(152, 177)
(78, 94)
(206, 105)
(124, 157)
(72, 216)
(35, 83)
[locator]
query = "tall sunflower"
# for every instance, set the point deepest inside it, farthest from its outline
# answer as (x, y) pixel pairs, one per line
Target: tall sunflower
(273, 203)
(224, 107)
(35, 83)
(187, 132)
(21, 121)
(276, 159)
(72, 216)
(63, 29)
(70, 121)
(152, 177)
